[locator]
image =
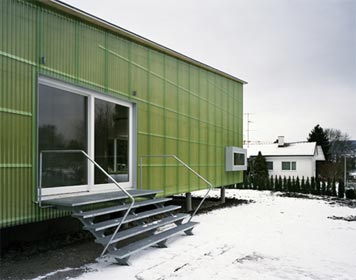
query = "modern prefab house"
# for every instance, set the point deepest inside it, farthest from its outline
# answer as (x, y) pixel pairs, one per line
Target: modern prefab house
(91, 113)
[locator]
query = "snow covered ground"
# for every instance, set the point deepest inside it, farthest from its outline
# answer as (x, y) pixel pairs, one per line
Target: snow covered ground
(273, 238)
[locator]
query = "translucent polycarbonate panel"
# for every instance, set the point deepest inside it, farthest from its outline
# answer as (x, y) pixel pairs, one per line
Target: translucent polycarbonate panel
(182, 109)
(92, 55)
(118, 64)
(60, 35)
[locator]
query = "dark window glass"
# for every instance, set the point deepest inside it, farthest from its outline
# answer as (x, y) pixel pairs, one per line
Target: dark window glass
(239, 159)
(62, 125)
(285, 165)
(270, 165)
(294, 165)
(111, 141)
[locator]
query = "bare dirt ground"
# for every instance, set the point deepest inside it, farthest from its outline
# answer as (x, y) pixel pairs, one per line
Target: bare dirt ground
(68, 254)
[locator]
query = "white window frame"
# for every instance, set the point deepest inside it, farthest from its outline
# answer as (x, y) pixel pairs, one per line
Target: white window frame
(91, 96)
(290, 165)
(229, 158)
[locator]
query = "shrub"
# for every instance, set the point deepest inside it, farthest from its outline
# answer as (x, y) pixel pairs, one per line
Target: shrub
(350, 194)
(280, 183)
(307, 186)
(312, 185)
(317, 187)
(289, 184)
(245, 180)
(328, 187)
(333, 187)
(285, 187)
(302, 185)
(273, 187)
(323, 188)
(341, 189)
(297, 184)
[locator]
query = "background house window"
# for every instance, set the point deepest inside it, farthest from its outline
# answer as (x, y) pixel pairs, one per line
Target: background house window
(270, 165)
(289, 165)
(294, 165)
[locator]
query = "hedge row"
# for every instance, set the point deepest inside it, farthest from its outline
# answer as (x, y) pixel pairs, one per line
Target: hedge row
(307, 186)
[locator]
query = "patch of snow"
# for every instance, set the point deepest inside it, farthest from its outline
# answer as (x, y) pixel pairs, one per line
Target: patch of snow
(274, 238)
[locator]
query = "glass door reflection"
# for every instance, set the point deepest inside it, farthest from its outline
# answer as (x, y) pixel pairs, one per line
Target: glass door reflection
(111, 141)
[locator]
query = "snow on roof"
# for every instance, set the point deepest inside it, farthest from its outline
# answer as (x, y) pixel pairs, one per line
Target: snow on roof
(289, 149)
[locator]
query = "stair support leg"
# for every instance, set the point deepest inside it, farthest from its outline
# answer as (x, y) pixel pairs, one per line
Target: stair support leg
(222, 194)
(124, 261)
(162, 244)
(188, 202)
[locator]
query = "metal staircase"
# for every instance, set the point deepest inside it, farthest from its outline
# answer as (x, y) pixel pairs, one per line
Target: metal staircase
(125, 221)
(142, 228)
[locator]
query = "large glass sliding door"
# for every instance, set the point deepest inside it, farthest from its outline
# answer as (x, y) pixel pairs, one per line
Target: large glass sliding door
(72, 118)
(62, 126)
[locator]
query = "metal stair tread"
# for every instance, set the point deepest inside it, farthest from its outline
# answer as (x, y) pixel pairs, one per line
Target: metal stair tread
(114, 222)
(118, 208)
(141, 229)
(81, 200)
(151, 240)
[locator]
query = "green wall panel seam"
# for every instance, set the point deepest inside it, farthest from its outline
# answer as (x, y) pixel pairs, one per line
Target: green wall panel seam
(15, 165)
(16, 112)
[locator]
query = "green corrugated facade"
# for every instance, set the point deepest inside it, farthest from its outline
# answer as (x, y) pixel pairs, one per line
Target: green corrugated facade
(182, 109)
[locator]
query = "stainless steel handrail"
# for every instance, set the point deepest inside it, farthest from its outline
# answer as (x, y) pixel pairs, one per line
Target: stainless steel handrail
(102, 170)
(185, 165)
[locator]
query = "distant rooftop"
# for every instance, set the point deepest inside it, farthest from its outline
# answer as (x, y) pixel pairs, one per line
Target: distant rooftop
(288, 149)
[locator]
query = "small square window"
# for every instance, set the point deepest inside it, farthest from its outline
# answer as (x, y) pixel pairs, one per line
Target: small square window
(285, 165)
(239, 159)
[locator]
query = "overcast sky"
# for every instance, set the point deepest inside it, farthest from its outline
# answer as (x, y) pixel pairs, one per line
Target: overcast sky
(298, 56)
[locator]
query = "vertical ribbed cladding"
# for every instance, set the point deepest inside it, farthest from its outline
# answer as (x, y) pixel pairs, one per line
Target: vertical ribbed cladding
(182, 109)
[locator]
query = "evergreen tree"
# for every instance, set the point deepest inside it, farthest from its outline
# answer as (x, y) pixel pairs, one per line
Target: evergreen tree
(289, 184)
(312, 186)
(285, 187)
(319, 136)
(252, 182)
(276, 183)
(323, 188)
(341, 189)
(302, 185)
(307, 186)
(297, 185)
(260, 170)
(245, 180)
(271, 183)
(328, 187)
(333, 188)
(268, 186)
(280, 183)
(318, 189)
(293, 184)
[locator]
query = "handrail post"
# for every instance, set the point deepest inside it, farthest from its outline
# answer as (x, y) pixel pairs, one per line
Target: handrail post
(102, 170)
(39, 191)
(191, 170)
(140, 173)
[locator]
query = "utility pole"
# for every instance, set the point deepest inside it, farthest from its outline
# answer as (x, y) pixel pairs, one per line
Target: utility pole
(345, 183)
(248, 128)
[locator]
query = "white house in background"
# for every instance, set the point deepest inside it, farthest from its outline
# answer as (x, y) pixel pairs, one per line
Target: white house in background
(289, 159)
